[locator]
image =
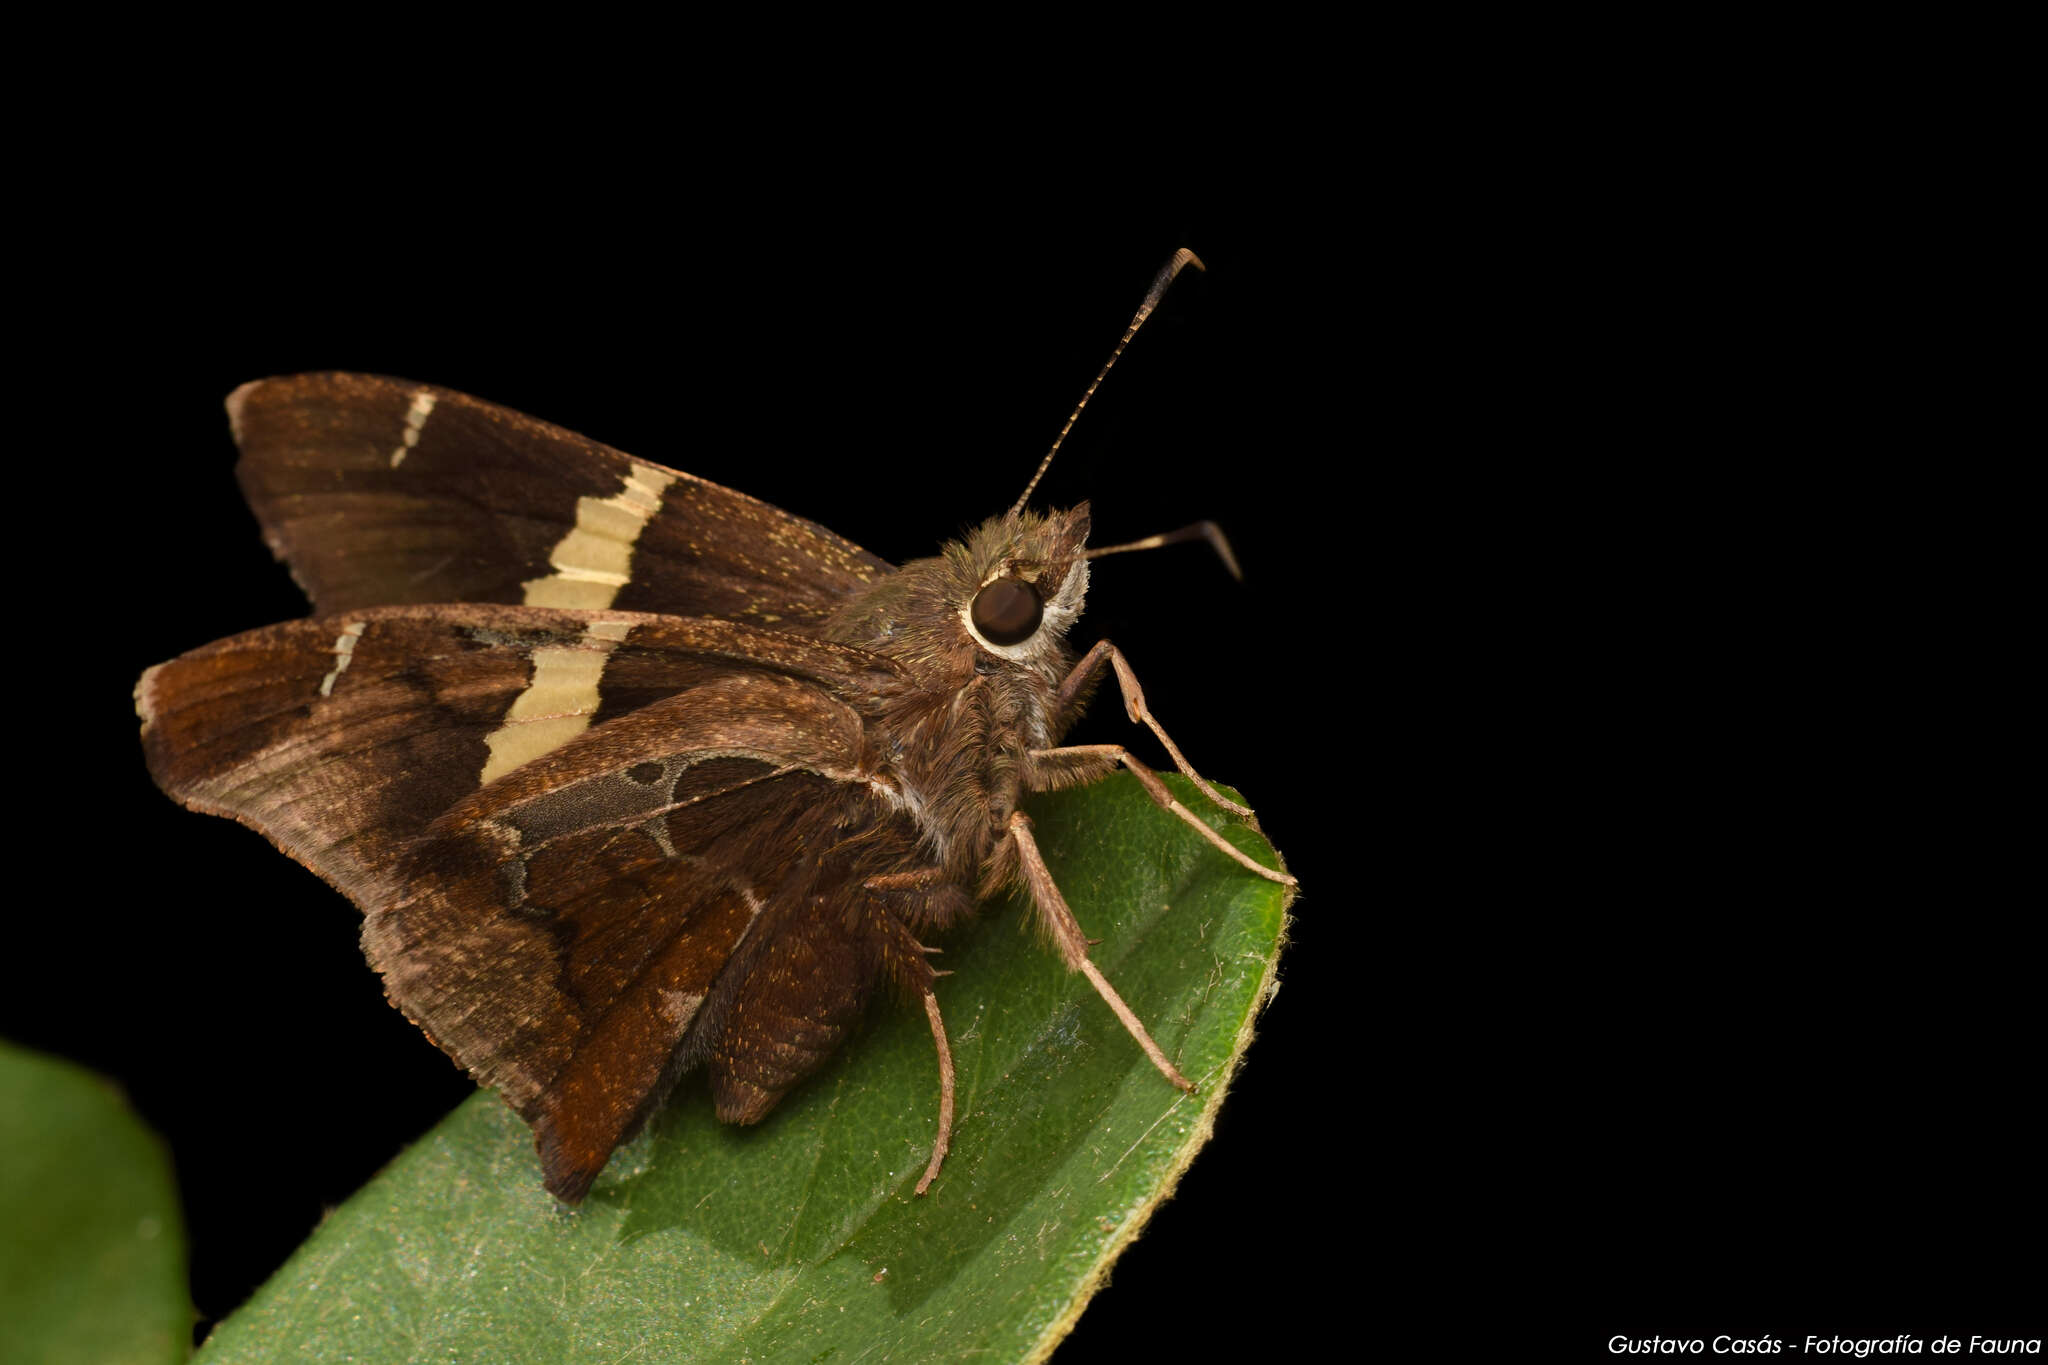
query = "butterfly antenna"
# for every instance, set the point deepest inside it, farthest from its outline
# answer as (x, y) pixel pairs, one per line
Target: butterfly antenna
(1182, 257)
(1201, 530)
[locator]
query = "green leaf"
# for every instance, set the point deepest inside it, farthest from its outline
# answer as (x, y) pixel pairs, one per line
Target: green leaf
(800, 1239)
(92, 1248)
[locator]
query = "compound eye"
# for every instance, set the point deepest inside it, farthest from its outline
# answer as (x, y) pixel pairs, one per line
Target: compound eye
(1007, 612)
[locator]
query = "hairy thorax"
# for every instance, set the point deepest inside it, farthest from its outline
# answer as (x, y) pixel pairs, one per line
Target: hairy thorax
(954, 737)
(960, 760)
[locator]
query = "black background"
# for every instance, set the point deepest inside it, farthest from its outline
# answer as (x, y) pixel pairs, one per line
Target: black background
(1628, 992)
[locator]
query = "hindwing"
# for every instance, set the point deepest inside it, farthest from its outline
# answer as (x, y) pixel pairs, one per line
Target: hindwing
(573, 910)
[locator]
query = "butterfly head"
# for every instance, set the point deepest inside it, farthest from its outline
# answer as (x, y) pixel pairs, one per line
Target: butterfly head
(1017, 582)
(1005, 593)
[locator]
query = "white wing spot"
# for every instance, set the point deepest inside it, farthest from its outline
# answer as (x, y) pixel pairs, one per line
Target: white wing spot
(415, 419)
(680, 1007)
(343, 651)
(145, 704)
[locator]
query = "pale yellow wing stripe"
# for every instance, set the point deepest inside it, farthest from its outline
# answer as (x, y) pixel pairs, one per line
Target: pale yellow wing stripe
(591, 563)
(557, 704)
(595, 559)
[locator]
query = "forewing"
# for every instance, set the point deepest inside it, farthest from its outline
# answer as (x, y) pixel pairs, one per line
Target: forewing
(341, 738)
(380, 492)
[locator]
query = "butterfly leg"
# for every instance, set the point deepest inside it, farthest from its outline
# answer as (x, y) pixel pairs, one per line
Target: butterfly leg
(910, 970)
(1074, 693)
(1085, 762)
(1073, 944)
(945, 1141)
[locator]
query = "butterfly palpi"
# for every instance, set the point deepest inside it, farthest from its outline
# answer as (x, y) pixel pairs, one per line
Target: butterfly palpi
(630, 773)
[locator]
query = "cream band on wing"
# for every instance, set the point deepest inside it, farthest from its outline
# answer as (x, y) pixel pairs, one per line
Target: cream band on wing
(558, 702)
(594, 560)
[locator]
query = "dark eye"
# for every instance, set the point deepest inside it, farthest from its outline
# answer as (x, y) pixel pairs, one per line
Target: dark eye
(1007, 612)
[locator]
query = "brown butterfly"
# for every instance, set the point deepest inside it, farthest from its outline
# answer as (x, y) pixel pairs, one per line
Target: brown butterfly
(628, 772)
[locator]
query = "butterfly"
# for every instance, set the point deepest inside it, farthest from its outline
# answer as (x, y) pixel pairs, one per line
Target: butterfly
(630, 773)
